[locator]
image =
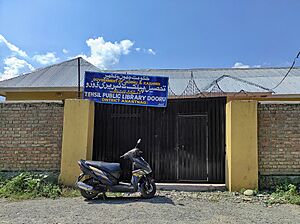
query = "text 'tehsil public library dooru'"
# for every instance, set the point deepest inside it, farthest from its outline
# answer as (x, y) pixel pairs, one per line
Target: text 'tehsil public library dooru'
(183, 142)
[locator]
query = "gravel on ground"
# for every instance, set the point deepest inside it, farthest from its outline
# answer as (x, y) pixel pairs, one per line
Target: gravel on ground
(166, 207)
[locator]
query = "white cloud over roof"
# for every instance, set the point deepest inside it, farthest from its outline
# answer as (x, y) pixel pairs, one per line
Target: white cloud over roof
(65, 51)
(105, 53)
(13, 67)
(45, 59)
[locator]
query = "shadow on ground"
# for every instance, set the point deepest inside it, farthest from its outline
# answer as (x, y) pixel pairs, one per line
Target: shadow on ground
(127, 200)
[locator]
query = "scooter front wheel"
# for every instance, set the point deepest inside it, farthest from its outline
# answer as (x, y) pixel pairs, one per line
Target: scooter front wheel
(148, 189)
(88, 194)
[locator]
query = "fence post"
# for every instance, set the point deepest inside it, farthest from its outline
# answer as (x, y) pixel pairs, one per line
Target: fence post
(77, 140)
(241, 167)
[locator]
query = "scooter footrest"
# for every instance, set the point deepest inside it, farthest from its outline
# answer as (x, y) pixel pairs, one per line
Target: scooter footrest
(121, 188)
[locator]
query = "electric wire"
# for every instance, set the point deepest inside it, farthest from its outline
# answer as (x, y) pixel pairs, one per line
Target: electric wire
(292, 66)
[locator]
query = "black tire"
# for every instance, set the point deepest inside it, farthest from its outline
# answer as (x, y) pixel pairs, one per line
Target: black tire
(148, 189)
(89, 195)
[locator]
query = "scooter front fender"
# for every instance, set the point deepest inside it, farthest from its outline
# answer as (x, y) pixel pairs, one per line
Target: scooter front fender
(135, 182)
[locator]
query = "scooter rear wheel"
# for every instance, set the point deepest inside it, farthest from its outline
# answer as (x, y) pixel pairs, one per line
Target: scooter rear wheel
(88, 194)
(148, 189)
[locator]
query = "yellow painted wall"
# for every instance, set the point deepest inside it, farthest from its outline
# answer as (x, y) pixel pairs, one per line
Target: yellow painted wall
(230, 98)
(40, 95)
(77, 140)
(241, 145)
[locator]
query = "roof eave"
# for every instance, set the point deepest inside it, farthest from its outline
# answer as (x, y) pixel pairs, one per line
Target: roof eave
(296, 95)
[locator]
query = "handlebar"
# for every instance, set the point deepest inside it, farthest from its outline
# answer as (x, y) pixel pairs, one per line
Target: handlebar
(133, 152)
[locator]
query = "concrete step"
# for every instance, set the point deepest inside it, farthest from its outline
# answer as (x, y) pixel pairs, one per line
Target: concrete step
(190, 187)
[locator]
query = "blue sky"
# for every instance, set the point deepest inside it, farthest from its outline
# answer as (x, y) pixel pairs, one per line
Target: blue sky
(148, 34)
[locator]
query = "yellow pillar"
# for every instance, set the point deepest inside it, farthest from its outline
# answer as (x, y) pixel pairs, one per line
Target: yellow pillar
(77, 140)
(241, 145)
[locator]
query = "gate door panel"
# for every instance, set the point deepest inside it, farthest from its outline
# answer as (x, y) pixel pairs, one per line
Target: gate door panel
(183, 142)
(192, 148)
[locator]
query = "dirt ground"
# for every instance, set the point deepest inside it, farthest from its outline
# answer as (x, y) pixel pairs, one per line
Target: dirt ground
(166, 207)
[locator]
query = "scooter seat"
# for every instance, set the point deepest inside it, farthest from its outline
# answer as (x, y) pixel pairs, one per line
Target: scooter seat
(112, 167)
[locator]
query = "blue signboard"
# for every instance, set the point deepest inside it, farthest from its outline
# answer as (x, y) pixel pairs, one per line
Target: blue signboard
(126, 89)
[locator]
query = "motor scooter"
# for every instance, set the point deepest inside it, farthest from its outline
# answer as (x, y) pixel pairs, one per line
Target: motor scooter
(100, 177)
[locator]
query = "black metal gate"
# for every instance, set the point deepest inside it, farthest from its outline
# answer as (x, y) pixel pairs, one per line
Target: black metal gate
(192, 148)
(183, 142)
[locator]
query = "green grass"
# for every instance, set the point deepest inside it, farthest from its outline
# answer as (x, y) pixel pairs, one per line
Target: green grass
(29, 186)
(285, 194)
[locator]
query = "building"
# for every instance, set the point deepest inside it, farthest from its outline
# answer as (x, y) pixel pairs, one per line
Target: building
(212, 130)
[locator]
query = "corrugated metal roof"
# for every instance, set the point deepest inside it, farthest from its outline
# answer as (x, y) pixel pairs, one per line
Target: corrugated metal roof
(58, 75)
(205, 80)
(232, 84)
(235, 79)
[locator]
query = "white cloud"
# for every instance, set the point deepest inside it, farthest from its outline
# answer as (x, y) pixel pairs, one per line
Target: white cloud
(65, 51)
(150, 51)
(13, 67)
(45, 59)
(240, 65)
(144, 50)
(13, 47)
(105, 54)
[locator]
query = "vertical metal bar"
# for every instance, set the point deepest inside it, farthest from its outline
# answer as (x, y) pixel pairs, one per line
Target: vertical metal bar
(78, 73)
(206, 127)
(177, 146)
